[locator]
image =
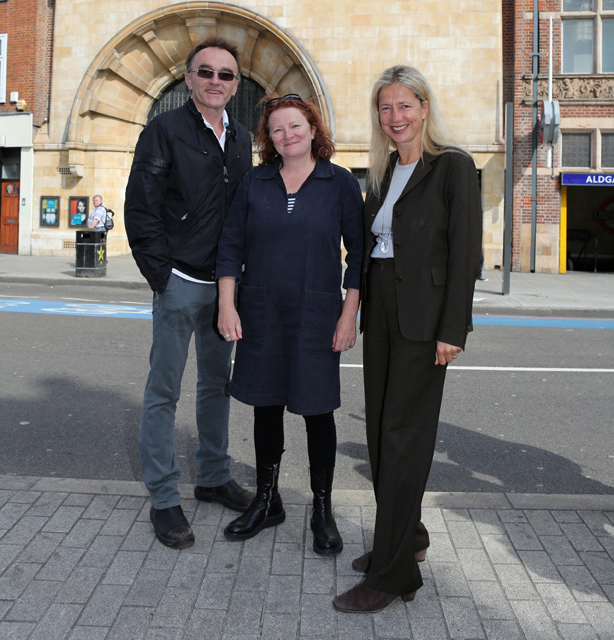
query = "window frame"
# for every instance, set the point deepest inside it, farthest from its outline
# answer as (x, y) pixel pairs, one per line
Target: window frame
(596, 150)
(597, 15)
(608, 132)
(592, 137)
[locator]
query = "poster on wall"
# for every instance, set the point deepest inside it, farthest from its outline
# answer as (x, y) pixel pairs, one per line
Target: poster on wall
(50, 211)
(77, 211)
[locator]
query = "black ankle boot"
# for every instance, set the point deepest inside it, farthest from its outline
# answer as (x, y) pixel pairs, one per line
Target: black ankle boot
(326, 538)
(266, 509)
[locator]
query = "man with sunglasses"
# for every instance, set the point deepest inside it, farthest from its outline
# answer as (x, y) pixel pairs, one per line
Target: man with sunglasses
(187, 165)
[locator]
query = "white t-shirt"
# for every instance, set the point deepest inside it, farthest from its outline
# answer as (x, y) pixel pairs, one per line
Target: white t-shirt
(382, 225)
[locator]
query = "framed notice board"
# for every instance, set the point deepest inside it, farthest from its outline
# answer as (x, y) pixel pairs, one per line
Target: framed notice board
(50, 211)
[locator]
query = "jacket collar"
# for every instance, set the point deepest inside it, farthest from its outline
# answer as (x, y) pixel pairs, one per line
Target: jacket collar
(323, 169)
(191, 107)
(423, 168)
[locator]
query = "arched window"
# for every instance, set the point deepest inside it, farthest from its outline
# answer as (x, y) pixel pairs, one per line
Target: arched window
(243, 107)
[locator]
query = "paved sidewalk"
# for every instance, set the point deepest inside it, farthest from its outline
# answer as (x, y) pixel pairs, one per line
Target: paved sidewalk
(574, 293)
(78, 560)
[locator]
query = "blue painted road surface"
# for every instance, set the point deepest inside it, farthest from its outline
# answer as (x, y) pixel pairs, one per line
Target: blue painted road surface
(144, 313)
(90, 309)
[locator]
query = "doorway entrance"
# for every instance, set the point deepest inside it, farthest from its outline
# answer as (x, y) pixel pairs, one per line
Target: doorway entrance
(590, 229)
(9, 216)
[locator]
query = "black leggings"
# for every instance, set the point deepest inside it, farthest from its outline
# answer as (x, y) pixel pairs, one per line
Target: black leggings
(269, 436)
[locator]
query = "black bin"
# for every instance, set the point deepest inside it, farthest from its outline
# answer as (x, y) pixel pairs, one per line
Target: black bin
(91, 248)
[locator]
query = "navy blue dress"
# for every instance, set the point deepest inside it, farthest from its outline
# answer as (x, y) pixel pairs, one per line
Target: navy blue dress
(290, 293)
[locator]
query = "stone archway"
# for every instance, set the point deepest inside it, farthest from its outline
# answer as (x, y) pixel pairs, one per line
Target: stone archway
(134, 68)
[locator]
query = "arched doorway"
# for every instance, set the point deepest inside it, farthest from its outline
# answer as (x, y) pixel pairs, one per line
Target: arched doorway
(137, 66)
(244, 106)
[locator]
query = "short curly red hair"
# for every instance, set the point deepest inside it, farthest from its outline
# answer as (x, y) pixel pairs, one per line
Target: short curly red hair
(322, 145)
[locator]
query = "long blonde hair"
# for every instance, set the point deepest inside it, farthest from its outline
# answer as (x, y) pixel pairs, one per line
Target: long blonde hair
(436, 137)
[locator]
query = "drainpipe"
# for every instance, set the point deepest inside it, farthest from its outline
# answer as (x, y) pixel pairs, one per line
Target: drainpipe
(535, 59)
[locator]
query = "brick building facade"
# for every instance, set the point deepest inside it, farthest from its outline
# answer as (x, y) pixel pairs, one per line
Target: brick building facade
(574, 210)
(26, 49)
(28, 26)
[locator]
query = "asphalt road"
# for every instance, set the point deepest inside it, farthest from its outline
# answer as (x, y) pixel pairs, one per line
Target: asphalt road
(71, 388)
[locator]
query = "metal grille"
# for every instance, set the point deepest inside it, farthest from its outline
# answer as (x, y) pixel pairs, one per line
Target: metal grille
(69, 244)
(577, 150)
(607, 149)
(243, 107)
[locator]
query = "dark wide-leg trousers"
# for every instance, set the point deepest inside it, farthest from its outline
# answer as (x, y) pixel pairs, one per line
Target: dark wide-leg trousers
(403, 392)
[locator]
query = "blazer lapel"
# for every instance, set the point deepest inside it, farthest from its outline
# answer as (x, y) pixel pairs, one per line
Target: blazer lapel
(423, 168)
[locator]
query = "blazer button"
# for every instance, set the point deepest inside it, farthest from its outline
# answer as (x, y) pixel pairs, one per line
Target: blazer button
(396, 214)
(398, 279)
(397, 245)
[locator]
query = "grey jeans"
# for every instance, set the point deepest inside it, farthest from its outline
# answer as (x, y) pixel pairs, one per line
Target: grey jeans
(185, 308)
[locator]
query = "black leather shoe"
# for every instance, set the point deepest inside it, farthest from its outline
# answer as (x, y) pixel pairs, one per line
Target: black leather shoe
(231, 495)
(266, 510)
(172, 527)
(326, 538)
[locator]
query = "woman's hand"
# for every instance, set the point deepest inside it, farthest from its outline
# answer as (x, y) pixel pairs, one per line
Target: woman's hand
(345, 331)
(229, 324)
(446, 353)
(228, 321)
(345, 334)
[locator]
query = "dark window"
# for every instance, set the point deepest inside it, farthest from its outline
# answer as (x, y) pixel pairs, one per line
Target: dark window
(243, 107)
(361, 176)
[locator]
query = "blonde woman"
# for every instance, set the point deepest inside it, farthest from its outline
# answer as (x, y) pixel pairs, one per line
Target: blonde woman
(422, 228)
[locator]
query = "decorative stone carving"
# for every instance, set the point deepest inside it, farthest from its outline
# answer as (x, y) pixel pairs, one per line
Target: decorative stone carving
(586, 89)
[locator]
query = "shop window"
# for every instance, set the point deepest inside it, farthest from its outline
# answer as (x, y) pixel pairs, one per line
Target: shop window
(243, 107)
(607, 149)
(3, 43)
(576, 149)
(588, 36)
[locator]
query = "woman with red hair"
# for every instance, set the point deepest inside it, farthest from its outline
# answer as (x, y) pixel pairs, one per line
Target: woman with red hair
(282, 241)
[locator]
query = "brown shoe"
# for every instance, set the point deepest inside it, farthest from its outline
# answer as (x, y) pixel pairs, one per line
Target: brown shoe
(363, 562)
(172, 527)
(365, 599)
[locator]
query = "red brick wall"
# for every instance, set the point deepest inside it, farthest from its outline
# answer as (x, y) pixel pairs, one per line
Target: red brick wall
(29, 26)
(518, 43)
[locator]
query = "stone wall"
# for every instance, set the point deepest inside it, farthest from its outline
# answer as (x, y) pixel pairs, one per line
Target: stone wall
(113, 59)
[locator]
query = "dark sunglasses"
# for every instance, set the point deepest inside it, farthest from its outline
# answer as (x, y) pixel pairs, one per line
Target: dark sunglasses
(288, 96)
(207, 74)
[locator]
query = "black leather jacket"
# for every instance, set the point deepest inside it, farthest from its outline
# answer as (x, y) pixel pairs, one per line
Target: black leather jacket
(180, 188)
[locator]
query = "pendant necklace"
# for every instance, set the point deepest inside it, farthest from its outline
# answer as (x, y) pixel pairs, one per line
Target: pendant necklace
(384, 244)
